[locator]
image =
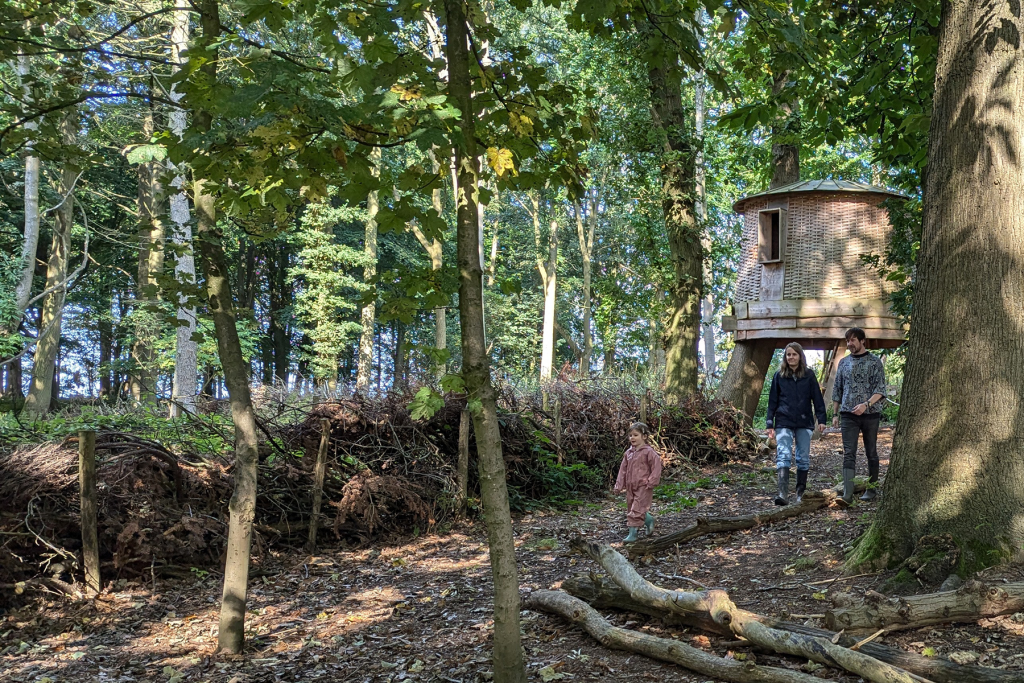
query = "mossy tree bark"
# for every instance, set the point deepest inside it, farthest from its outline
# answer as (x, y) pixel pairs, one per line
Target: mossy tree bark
(242, 506)
(964, 358)
(509, 666)
(678, 184)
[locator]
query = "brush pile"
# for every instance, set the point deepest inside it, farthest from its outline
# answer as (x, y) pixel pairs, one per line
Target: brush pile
(387, 474)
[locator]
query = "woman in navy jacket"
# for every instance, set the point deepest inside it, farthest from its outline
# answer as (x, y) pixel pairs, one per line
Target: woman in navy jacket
(790, 421)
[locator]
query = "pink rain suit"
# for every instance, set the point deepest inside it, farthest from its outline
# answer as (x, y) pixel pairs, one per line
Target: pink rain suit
(639, 473)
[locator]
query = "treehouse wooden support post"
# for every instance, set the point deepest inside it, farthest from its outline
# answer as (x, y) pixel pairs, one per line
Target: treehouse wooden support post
(318, 484)
(464, 422)
(87, 490)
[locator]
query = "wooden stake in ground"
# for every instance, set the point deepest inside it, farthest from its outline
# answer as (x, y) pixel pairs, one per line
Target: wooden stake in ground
(318, 483)
(464, 423)
(87, 491)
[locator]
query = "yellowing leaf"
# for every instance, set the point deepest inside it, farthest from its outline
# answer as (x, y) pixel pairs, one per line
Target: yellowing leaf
(818, 596)
(930, 652)
(398, 562)
(353, 19)
(501, 161)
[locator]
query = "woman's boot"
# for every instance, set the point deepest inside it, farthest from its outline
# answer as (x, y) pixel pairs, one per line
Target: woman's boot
(801, 485)
(783, 496)
(870, 494)
(848, 484)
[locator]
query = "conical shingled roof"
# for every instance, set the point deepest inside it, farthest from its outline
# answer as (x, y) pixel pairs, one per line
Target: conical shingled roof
(819, 186)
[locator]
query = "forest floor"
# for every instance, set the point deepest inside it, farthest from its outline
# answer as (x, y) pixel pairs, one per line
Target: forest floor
(419, 609)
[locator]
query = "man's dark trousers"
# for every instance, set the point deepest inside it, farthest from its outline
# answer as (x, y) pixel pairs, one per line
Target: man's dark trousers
(853, 426)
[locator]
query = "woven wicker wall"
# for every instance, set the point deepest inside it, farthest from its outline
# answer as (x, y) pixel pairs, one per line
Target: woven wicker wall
(827, 234)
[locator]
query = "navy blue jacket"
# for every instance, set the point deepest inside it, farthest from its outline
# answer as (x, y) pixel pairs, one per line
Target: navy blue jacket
(790, 400)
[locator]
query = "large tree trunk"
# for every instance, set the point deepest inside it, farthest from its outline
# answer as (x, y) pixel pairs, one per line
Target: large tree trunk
(682, 329)
(23, 290)
(509, 666)
(744, 377)
(785, 136)
(40, 391)
(151, 263)
(947, 477)
(242, 507)
(369, 312)
(186, 351)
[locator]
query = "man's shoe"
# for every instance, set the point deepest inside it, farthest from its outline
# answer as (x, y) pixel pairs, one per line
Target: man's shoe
(631, 538)
(649, 523)
(847, 499)
(801, 485)
(781, 498)
(871, 493)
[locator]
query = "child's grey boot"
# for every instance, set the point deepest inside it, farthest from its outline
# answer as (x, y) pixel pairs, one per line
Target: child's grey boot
(649, 523)
(782, 497)
(631, 538)
(847, 499)
(871, 493)
(801, 485)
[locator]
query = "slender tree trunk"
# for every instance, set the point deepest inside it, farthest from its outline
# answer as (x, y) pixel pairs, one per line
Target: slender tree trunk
(399, 358)
(369, 312)
(434, 249)
(509, 666)
(964, 353)
(40, 391)
(549, 273)
(151, 263)
(586, 240)
(23, 290)
(677, 180)
(236, 370)
(493, 263)
(186, 351)
(279, 298)
(708, 308)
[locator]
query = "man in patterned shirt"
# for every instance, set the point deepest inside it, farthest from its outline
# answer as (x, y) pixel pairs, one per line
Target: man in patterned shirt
(856, 397)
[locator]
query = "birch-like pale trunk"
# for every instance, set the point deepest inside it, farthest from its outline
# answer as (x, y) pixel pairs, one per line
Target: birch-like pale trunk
(433, 247)
(185, 383)
(708, 306)
(40, 391)
(509, 665)
(368, 315)
(23, 290)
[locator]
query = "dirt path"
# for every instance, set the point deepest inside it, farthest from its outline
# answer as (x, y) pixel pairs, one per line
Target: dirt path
(420, 610)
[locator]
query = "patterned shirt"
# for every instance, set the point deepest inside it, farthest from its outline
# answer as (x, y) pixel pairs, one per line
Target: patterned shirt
(858, 379)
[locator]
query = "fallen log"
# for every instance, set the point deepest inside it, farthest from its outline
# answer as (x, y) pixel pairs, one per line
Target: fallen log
(813, 500)
(664, 649)
(972, 601)
(603, 594)
(716, 606)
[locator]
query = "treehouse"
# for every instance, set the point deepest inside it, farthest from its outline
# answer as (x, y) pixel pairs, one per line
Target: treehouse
(801, 277)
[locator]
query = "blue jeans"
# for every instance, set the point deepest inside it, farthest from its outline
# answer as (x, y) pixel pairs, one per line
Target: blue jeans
(788, 438)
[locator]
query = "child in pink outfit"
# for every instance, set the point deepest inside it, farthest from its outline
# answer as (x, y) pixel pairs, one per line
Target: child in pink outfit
(639, 473)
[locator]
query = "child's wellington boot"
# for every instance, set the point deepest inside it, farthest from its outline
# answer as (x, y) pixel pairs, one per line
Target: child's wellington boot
(649, 523)
(631, 538)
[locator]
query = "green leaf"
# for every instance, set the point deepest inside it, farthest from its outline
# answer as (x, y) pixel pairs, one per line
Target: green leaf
(142, 154)
(425, 404)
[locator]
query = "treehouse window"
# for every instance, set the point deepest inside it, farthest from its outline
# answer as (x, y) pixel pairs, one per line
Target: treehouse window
(771, 235)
